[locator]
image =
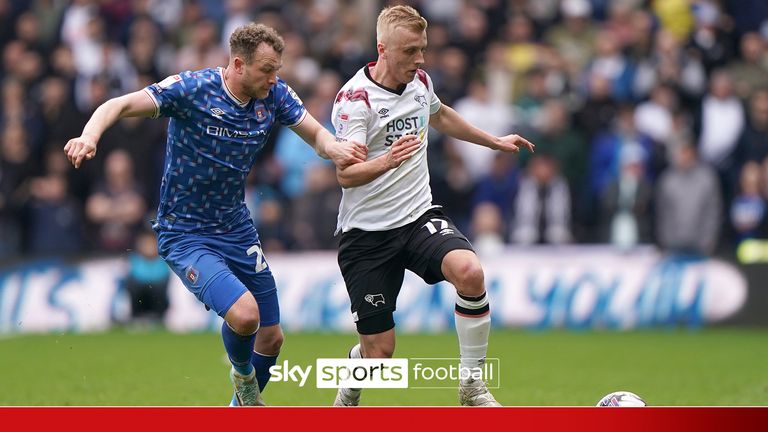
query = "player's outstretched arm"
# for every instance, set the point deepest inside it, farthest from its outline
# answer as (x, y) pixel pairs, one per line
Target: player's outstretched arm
(363, 173)
(136, 104)
(449, 122)
(342, 153)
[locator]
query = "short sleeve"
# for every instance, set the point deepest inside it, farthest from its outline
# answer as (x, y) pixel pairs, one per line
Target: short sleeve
(290, 109)
(169, 94)
(434, 101)
(350, 116)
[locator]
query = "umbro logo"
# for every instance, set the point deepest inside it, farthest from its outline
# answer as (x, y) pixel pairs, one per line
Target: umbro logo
(217, 112)
(383, 113)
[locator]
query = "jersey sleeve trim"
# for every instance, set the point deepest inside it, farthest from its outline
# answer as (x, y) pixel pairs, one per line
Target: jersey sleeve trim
(156, 114)
(301, 119)
(439, 107)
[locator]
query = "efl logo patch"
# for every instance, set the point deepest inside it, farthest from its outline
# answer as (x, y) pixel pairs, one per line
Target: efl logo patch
(192, 275)
(164, 84)
(341, 123)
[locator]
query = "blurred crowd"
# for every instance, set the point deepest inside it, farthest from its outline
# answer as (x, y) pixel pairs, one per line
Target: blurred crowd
(650, 118)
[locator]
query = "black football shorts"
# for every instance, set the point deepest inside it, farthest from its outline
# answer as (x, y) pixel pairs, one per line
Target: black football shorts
(373, 263)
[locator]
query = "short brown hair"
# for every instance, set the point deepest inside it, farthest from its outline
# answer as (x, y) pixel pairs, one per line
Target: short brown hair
(398, 16)
(247, 38)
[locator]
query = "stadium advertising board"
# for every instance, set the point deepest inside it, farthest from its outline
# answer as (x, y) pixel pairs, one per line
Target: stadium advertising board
(577, 288)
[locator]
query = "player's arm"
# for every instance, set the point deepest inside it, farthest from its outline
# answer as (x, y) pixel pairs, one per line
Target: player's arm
(342, 153)
(449, 122)
(136, 104)
(363, 173)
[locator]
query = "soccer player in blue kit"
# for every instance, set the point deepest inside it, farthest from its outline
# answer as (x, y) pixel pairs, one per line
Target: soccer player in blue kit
(220, 119)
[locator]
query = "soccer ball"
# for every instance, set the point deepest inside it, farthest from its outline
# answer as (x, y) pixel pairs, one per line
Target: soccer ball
(621, 399)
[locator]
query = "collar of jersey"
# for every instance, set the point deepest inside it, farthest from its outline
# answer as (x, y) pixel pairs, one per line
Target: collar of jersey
(228, 91)
(367, 70)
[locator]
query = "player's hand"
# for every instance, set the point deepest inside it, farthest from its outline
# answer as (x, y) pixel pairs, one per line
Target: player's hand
(513, 143)
(79, 149)
(402, 150)
(346, 153)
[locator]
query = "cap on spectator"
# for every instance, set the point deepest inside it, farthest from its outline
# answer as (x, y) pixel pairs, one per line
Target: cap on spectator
(576, 8)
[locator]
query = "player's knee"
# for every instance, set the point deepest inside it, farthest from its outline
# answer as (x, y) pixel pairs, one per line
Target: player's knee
(382, 350)
(272, 344)
(244, 320)
(470, 279)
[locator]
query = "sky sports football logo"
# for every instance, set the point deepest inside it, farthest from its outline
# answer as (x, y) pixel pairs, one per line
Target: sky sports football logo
(425, 373)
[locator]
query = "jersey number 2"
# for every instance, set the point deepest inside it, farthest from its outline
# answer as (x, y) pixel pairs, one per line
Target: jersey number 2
(261, 262)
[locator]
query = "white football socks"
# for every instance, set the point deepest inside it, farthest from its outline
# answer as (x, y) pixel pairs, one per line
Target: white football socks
(473, 325)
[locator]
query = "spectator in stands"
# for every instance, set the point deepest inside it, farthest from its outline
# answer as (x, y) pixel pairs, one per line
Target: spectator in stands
(54, 216)
(481, 110)
(15, 166)
(688, 205)
(543, 205)
(487, 229)
(754, 139)
(611, 64)
(204, 50)
(117, 206)
(626, 203)
(748, 210)
(719, 124)
(557, 137)
(574, 37)
(499, 187)
(654, 117)
(147, 281)
(296, 159)
(605, 157)
(750, 72)
(314, 213)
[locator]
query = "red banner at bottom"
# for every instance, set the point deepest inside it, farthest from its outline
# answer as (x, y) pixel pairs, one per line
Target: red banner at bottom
(390, 419)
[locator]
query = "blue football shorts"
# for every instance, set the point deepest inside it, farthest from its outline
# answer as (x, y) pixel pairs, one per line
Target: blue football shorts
(219, 268)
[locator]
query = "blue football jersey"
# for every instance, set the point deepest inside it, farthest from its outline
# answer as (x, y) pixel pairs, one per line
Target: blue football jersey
(213, 139)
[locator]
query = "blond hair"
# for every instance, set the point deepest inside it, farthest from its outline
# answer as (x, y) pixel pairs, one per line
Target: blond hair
(398, 16)
(247, 38)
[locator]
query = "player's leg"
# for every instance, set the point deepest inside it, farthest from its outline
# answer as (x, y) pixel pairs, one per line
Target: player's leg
(269, 339)
(472, 312)
(247, 261)
(439, 251)
(199, 263)
(473, 324)
(379, 345)
(241, 322)
(373, 274)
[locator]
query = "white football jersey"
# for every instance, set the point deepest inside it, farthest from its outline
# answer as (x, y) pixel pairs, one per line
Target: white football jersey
(367, 112)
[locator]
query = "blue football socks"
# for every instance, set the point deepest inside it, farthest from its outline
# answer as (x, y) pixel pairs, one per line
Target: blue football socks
(262, 363)
(238, 349)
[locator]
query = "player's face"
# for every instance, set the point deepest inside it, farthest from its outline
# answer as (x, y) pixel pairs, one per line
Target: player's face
(261, 74)
(405, 53)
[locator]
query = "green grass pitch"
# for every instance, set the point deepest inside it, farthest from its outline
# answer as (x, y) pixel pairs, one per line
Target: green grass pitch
(552, 368)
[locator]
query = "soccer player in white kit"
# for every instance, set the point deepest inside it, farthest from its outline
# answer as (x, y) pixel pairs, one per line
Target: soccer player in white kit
(387, 219)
